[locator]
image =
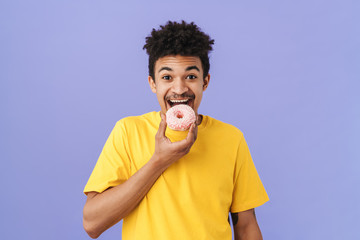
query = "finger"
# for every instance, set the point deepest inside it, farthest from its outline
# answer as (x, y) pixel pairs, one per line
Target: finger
(162, 126)
(187, 143)
(195, 131)
(192, 134)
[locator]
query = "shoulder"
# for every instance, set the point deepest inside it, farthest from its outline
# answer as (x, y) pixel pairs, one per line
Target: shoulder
(224, 129)
(150, 118)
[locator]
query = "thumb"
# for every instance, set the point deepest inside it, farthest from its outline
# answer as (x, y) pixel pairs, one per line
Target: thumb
(162, 126)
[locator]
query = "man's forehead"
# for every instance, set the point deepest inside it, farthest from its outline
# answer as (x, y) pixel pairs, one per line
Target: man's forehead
(184, 62)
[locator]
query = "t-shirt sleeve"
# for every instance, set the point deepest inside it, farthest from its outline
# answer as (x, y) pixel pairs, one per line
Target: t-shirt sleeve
(249, 191)
(113, 165)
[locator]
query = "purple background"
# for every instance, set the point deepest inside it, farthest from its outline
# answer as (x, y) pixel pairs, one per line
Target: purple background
(284, 72)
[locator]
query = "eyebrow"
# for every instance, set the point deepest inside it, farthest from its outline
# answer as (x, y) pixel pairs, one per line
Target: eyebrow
(165, 68)
(187, 69)
(192, 67)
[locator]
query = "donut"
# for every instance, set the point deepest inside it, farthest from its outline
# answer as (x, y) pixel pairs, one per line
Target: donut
(180, 117)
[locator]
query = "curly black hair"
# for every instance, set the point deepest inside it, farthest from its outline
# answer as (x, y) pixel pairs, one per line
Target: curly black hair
(178, 39)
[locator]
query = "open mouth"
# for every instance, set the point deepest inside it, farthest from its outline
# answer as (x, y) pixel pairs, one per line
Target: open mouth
(174, 102)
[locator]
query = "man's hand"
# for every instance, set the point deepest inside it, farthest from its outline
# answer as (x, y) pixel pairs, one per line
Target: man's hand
(167, 152)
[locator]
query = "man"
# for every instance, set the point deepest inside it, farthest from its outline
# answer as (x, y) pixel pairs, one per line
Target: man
(169, 184)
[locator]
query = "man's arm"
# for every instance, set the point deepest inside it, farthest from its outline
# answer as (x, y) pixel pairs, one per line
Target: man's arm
(246, 226)
(103, 210)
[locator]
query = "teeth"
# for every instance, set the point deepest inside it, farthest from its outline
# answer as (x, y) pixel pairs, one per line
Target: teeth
(179, 101)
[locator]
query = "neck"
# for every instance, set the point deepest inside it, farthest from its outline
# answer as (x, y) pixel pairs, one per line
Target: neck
(199, 119)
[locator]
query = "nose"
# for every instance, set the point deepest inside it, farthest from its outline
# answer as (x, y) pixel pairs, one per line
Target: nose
(179, 86)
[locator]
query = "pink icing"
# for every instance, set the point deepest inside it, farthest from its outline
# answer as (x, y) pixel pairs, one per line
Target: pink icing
(180, 117)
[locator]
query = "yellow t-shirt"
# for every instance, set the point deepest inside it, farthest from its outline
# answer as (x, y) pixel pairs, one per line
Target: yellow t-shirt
(193, 197)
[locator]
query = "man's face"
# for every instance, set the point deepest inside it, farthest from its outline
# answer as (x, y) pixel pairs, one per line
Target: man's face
(178, 80)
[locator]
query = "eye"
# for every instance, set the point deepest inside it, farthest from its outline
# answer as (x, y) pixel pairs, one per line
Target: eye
(166, 77)
(191, 77)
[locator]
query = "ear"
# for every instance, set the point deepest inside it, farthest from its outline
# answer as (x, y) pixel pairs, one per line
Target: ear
(152, 84)
(206, 82)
